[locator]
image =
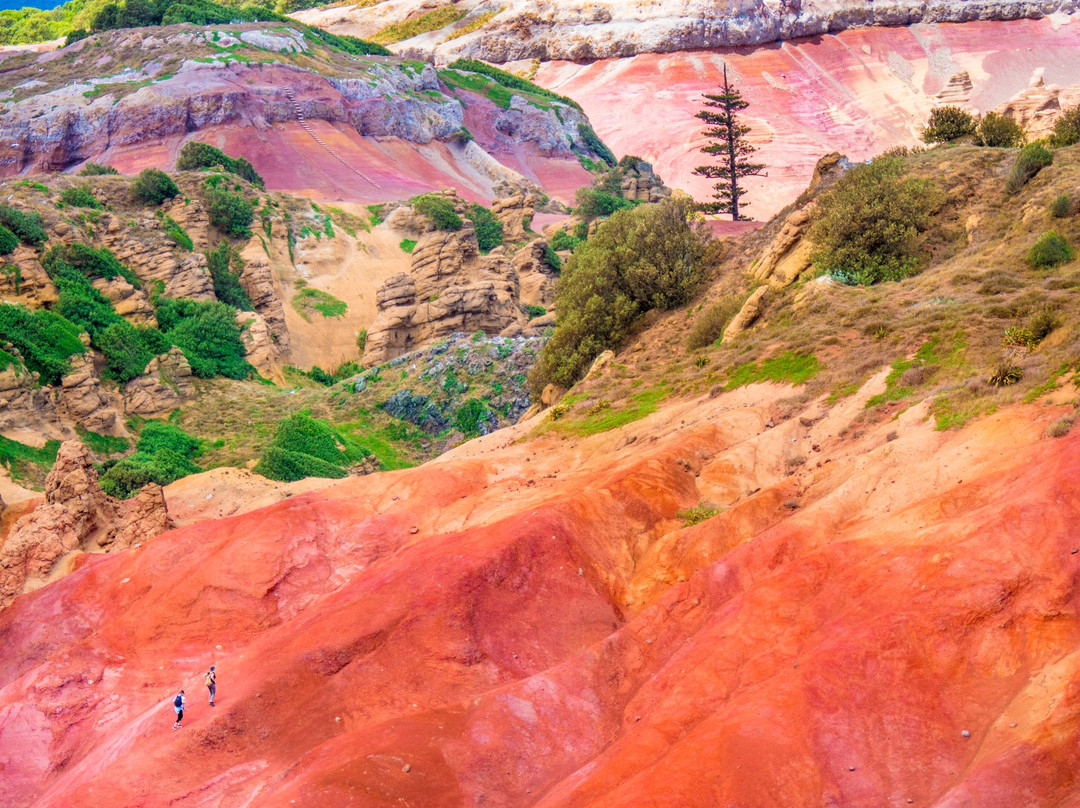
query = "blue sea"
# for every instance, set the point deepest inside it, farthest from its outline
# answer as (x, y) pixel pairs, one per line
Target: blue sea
(9, 4)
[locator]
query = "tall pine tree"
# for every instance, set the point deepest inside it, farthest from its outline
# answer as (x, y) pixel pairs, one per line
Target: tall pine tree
(729, 144)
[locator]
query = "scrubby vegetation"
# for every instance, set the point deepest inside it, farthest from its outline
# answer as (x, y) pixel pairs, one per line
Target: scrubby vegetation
(868, 225)
(96, 170)
(1032, 159)
(948, 123)
(79, 197)
(710, 324)
(195, 155)
(1066, 128)
(229, 212)
(309, 300)
(207, 333)
(153, 186)
(489, 230)
(28, 227)
(307, 447)
(512, 82)
(1050, 251)
(439, 210)
(998, 131)
(226, 266)
(164, 454)
(44, 339)
(645, 258)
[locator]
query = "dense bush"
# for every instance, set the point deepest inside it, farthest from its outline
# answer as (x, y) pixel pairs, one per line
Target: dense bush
(1030, 161)
(8, 241)
(594, 202)
(208, 335)
(1049, 251)
(1061, 207)
(195, 155)
(229, 212)
(561, 240)
(439, 210)
(307, 447)
(27, 226)
(551, 258)
(163, 455)
(96, 170)
(474, 418)
(225, 267)
(153, 186)
(82, 260)
(947, 123)
(489, 230)
(82, 304)
(176, 234)
(1066, 128)
(640, 259)
(126, 355)
(45, 339)
(79, 197)
(998, 131)
(593, 142)
(868, 224)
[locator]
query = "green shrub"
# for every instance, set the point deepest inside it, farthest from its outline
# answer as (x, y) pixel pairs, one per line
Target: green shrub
(640, 259)
(1049, 251)
(79, 197)
(156, 342)
(1061, 207)
(593, 202)
(126, 355)
(551, 258)
(947, 123)
(407, 245)
(208, 335)
(1030, 161)
(472, 416)
(83, 305)
(439, 210)
(126, 478)
(308, 299)
(225, 267)
(489, 230)
(45, 340)
(158, 435)
(176, 234)
(27, 226)
(998, 131)
(1066, 128)
(96, 170)
(153, 186)
(868, 224)
(307, 447)
(72, 260)
(9, 242)
(195, 155)
(594, 144)
(230, 213)
(561, 240)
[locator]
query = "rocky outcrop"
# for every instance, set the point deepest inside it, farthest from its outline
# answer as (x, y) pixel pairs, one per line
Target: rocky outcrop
(25, 406)
(166, 385)
(641, 184)
(746, 315)
(77, 516)
(788, 254)
(536, 277)
(81, 398)
(1036, 107)
(257, 279)
(260, 345)
(450, 288)
(516, 214)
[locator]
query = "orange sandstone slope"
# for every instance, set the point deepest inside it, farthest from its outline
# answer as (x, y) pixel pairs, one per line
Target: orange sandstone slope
(528, 623)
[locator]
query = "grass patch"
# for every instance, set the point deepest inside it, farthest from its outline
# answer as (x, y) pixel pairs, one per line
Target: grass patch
(407, 245)
(308, 300)
(432, 21)
(26, 464)
(605, 418)
(790, 367)
(102, 444)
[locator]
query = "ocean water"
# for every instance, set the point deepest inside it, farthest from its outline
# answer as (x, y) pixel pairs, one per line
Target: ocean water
(9, 4)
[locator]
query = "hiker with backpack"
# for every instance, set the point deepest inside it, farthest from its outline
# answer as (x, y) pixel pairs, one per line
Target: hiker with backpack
(210, 680)
(178, 708)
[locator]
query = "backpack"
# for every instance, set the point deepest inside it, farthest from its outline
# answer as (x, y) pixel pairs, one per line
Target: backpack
(209, 679)
(178, 701)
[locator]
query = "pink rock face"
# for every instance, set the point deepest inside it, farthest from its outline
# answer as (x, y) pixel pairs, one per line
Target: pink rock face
(858, 92)
(530, 624)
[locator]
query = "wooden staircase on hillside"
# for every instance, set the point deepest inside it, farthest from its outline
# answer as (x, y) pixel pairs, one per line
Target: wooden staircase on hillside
(329, 149)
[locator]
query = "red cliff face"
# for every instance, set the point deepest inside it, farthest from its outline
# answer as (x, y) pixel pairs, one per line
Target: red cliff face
(858, 92)
(529, 624)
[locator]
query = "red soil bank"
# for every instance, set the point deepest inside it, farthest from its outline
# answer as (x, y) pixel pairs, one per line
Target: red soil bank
(858, 92)
(530, 625)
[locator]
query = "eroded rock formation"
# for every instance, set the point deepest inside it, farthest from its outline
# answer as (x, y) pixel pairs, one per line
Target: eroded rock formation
(76, 517)
(165, 385)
